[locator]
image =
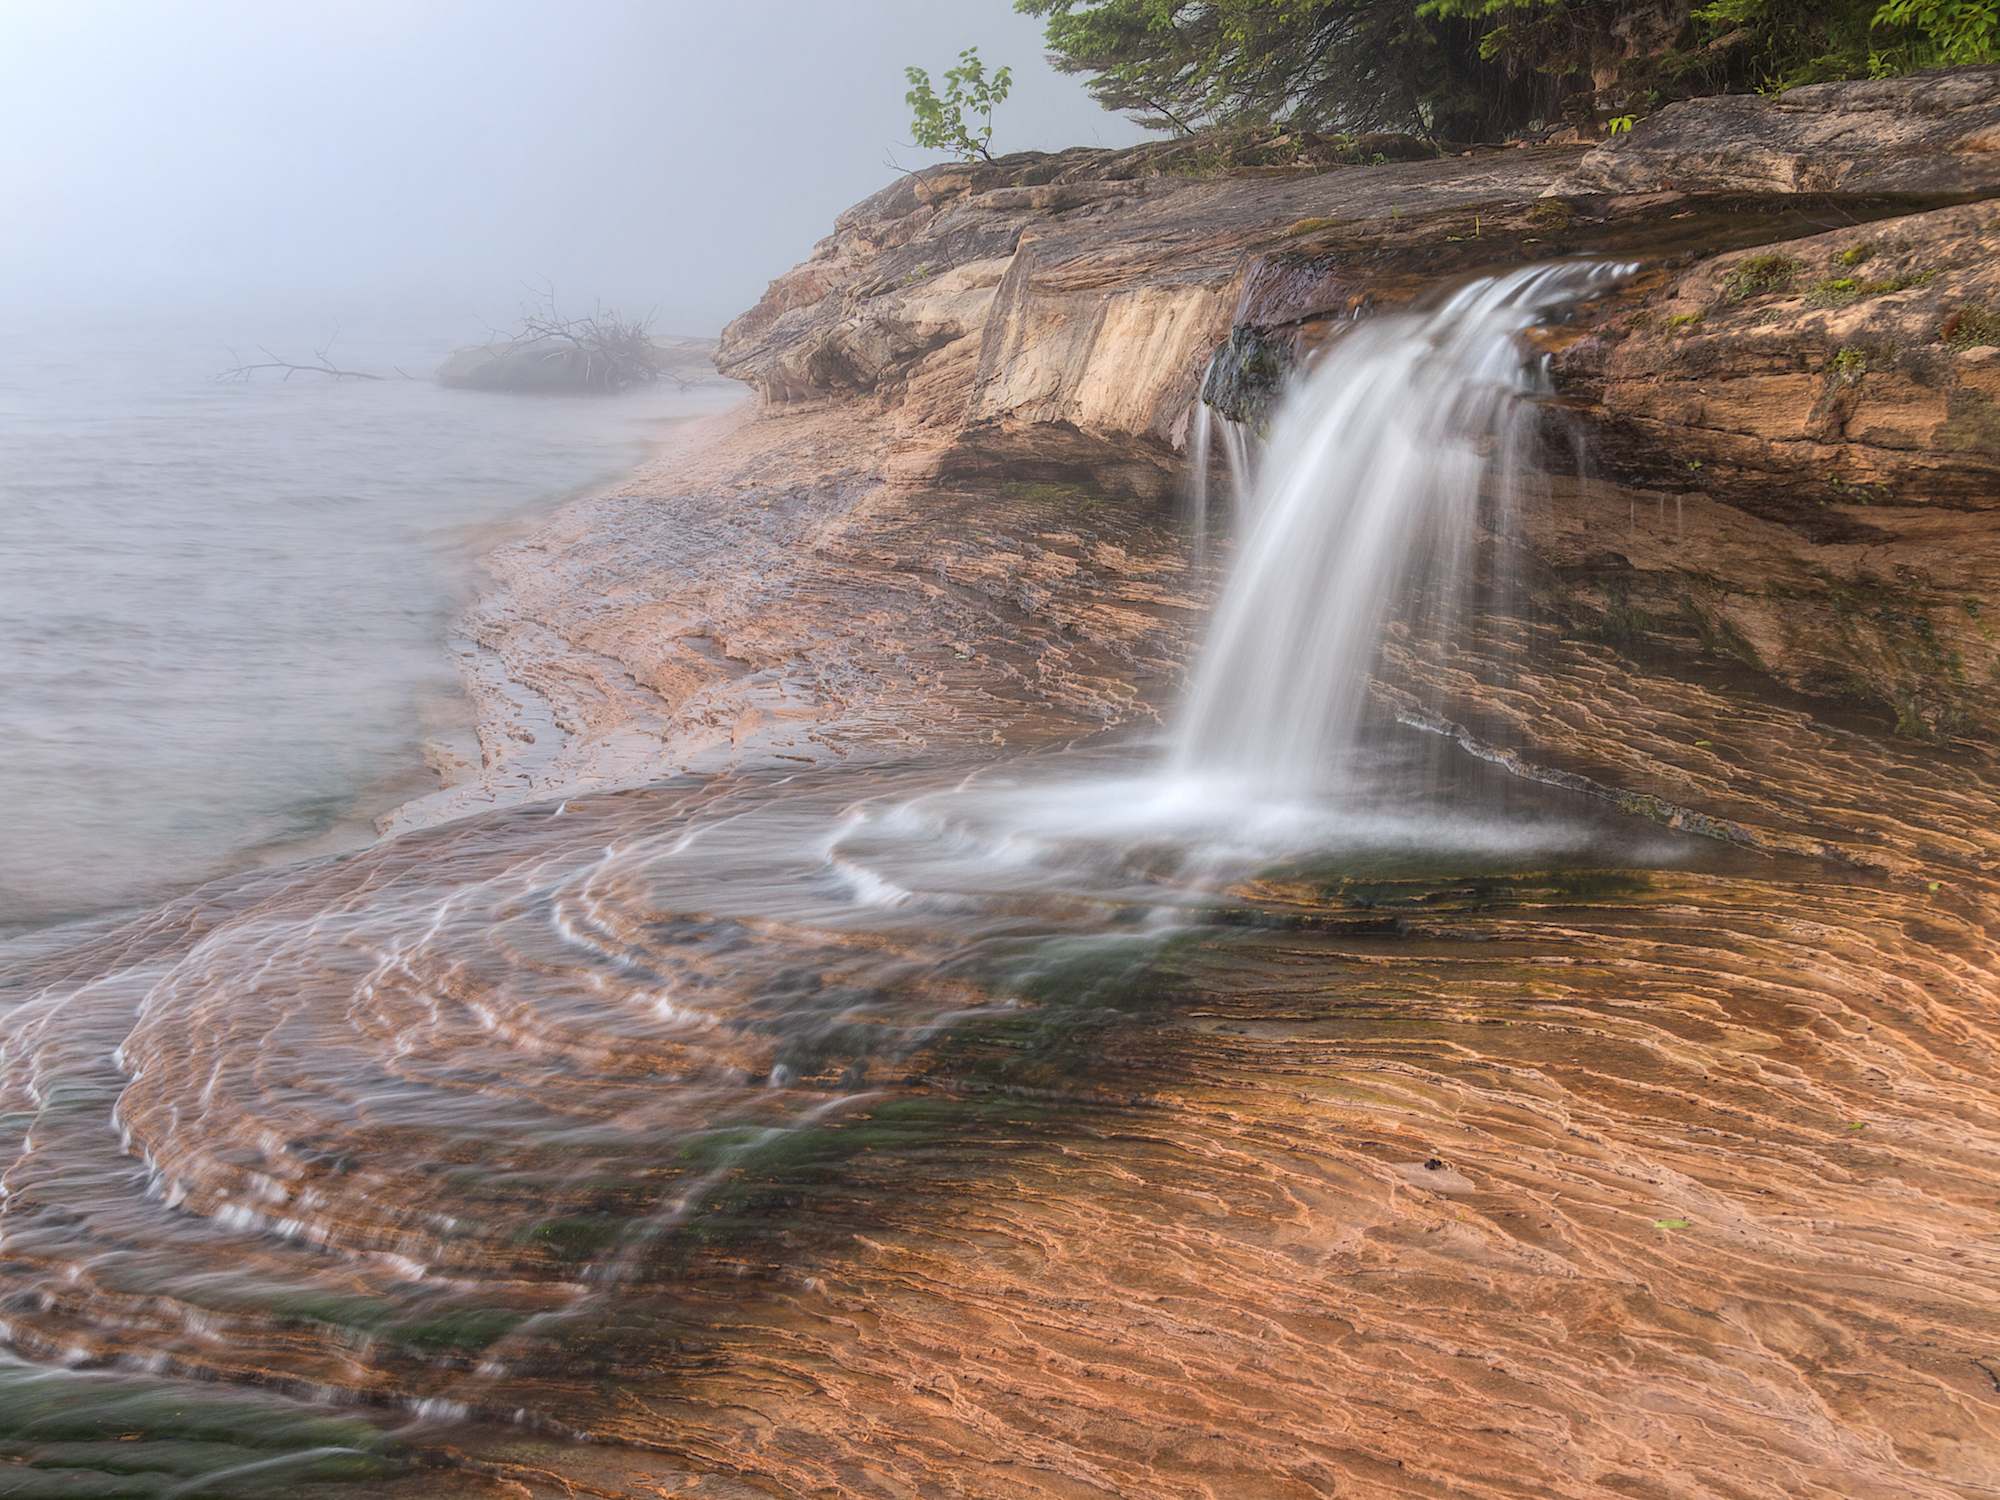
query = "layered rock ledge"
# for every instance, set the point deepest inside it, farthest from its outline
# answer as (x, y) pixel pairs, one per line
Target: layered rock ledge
(642, 1133)
(1806, 363)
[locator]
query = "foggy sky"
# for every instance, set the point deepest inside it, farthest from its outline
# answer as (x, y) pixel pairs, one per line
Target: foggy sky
(377, 157)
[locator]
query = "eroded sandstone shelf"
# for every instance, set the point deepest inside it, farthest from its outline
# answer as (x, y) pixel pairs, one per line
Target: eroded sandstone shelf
(1666, 1167)
(673, 1109)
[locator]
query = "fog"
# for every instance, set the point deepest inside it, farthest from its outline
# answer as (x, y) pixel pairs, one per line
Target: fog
(377, 159)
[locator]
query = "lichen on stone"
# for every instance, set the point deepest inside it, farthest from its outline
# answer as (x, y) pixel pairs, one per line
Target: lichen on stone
(1756, 275)
(1974, 326)
(1552, 215)
(1840, 291)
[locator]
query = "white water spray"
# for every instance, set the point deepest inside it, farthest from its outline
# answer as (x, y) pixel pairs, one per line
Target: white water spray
(1367, 494)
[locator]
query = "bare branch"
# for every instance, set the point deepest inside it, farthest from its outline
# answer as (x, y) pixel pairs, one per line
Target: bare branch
(609, 350)
(324, 366)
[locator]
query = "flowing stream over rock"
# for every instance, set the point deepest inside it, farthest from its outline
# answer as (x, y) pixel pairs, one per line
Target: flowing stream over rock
(823, 1130)
(1367, 496)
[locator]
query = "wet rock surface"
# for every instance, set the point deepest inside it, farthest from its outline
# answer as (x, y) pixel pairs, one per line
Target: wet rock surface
(1828, 397)
(620, 1118)
(674, 1107)
(762, 596)
(1809, 342)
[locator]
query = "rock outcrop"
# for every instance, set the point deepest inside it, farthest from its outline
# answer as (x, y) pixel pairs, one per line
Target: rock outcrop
(1831, 406)
(844, 1118)
(1806, 358)
(1928, 133)
(1055, 314)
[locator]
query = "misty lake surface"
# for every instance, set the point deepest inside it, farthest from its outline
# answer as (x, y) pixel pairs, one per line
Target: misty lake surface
(224, 607)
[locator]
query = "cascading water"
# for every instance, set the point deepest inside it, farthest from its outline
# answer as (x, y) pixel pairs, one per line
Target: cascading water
(1208, 428)
(1367, 494)
(1364, 501)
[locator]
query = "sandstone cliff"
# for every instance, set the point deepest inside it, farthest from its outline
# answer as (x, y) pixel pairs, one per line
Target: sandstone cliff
(1791, 408)
(817, 1127)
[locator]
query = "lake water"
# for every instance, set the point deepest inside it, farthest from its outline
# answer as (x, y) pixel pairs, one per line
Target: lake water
(223, 606)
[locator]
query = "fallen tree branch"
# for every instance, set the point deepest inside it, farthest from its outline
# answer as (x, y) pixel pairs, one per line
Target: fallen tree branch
(322, 366)
(608, 350)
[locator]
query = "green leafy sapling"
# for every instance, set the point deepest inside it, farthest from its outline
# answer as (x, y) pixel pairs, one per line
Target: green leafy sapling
(961, 121)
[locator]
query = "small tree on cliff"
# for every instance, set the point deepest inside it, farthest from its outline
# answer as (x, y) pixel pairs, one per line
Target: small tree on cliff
(940, 124)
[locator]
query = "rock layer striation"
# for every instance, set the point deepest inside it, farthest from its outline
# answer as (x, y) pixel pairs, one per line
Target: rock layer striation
(739, 1085)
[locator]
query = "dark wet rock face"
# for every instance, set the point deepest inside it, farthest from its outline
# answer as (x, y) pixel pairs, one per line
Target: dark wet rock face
(1248, 373)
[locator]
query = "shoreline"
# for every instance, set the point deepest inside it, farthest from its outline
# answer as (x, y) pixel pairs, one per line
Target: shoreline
(753, 596)
(443, 733)
(466, 759)
(802, 1120)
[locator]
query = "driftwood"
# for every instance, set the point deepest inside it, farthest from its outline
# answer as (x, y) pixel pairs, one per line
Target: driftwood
(547, 351)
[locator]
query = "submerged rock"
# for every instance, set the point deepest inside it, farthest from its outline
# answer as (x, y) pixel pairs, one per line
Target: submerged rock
(555, 366)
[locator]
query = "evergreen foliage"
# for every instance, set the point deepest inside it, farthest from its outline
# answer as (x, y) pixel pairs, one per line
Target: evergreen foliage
(1480, 69)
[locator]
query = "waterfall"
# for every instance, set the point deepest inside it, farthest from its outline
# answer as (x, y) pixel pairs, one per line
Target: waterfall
(1200, 438)
(1206, 425)
(1366, 496)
